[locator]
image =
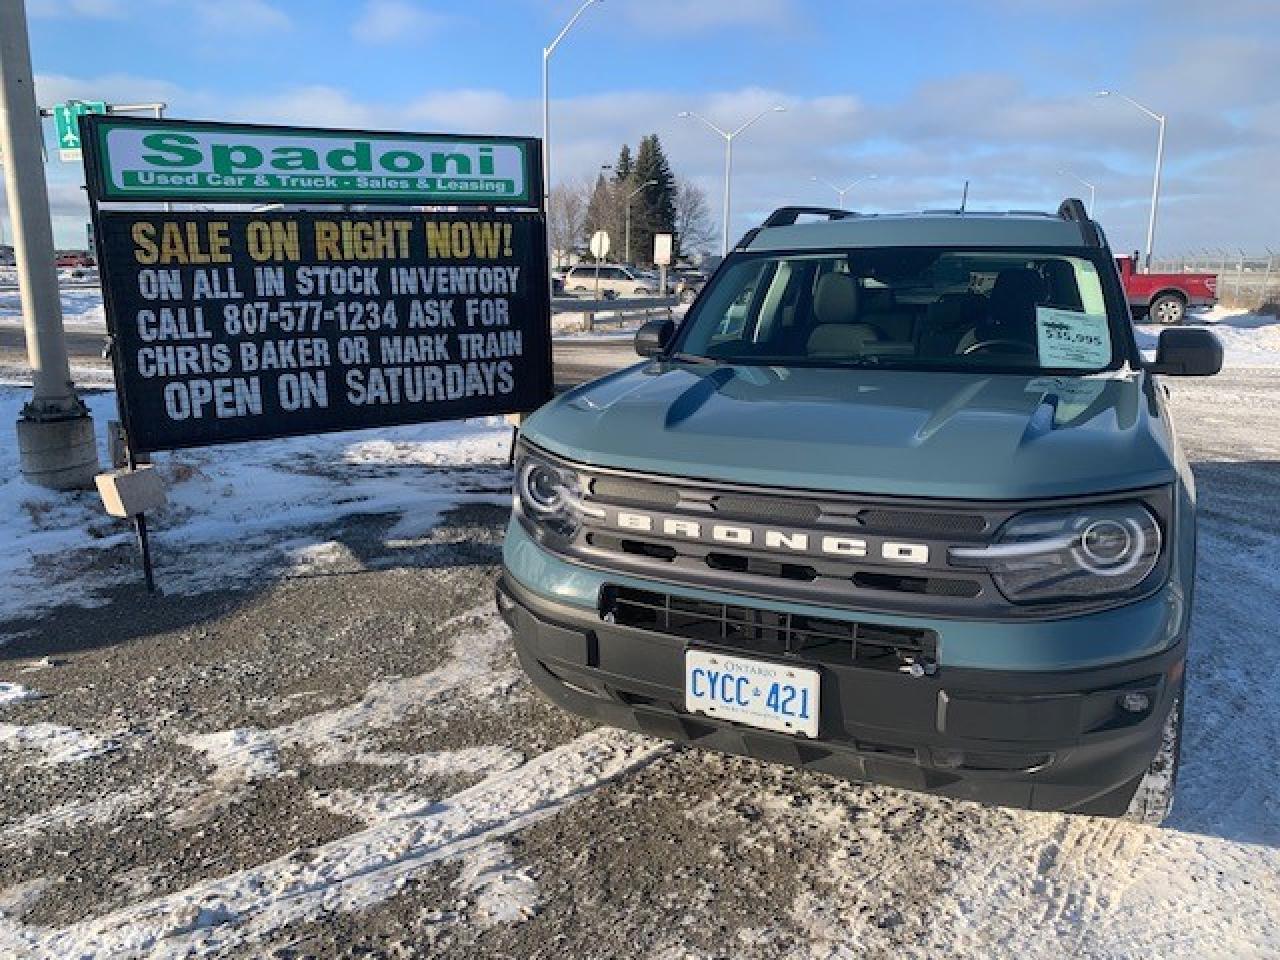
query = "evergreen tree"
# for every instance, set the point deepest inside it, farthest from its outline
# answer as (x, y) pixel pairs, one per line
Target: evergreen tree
(625, 167)
(654, 209)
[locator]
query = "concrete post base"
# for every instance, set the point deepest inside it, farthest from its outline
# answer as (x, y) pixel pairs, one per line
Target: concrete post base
(58, 454)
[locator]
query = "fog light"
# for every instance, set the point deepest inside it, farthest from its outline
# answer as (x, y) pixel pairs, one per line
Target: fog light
(1135, 702)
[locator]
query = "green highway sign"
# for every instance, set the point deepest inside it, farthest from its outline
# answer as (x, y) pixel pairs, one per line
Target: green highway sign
(134, 159)
(66, 121)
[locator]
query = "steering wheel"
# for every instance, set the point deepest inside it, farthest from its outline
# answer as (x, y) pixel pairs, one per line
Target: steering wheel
(1019, 346)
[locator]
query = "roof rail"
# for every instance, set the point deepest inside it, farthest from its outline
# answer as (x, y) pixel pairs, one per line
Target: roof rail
(786, 216)
(1073, 210)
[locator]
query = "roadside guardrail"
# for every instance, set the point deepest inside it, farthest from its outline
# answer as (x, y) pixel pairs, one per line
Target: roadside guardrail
(620, 307)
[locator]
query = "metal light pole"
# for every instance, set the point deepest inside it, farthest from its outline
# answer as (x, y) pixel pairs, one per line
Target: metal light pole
(631, 196)
(1093, 191)
(841, 191)
(729, 137)
(547, 51)
(56, 445)
(1155, 182)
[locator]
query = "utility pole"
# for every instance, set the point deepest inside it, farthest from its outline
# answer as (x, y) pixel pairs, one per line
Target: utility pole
(56, 445)
(547, 51)
(842, 192)
(729, 137)
(1161, 120)
(1093, 190)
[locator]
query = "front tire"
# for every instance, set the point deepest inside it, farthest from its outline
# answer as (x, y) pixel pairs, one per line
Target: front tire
(1168, 309)
(1153, 800)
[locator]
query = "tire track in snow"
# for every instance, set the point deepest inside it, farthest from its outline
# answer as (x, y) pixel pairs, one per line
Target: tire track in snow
(347, 874)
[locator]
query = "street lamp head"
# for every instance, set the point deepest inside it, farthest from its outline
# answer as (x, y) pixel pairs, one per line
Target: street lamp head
(684, 114)
(779, 109)
(1103, 93)
(873, 176)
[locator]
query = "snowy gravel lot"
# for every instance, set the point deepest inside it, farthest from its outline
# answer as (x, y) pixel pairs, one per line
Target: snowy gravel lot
(317, 743)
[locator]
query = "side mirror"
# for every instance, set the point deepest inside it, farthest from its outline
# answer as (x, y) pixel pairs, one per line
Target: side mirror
(1189, 352)
(653, 337)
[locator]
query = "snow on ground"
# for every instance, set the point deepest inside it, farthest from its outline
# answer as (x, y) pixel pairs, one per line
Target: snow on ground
(81, 307)
(404, 834)
(246, 498)
(11, 693)
(353, 872)
(53, 744)
(1248, 339)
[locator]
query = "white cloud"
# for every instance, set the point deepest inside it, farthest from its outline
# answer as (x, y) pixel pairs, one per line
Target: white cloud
(990, 128)
(316, 105)
(395, 21)
(241, 16)
(112, 87)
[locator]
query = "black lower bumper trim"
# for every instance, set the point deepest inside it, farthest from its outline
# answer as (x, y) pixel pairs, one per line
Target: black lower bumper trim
(1046, 741)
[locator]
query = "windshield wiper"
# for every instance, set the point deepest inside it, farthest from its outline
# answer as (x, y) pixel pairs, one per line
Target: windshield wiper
(694, 358)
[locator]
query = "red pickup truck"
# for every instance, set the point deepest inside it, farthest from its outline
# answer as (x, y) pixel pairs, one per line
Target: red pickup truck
(1166, 297)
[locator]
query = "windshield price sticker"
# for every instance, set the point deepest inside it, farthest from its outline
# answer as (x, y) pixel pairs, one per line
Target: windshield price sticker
(231, 327)
(1070, 339)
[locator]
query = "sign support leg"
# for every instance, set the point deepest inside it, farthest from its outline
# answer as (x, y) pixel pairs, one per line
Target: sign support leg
(144, 544)
(140, 528)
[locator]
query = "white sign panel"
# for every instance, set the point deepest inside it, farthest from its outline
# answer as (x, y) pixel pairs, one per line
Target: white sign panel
(226, 161)
(662, 243)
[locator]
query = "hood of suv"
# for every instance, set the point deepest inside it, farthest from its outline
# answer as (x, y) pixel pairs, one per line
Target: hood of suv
(891, 432)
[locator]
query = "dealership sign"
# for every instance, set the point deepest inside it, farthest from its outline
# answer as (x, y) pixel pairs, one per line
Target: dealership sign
(245, 326)
(137, 159)
(235, 325)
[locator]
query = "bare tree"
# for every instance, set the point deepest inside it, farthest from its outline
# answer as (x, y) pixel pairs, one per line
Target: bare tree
(567, 217)
(695, 230)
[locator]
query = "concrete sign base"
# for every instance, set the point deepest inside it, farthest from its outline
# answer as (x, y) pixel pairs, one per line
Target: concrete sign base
(58, 454)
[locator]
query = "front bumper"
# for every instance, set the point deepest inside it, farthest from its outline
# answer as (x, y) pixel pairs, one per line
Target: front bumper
(1043, 740)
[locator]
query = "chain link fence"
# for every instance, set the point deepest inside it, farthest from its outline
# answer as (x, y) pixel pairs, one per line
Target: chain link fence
(1249, 281)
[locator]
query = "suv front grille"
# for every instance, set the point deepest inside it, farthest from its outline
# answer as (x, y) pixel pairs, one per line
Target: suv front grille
(769, 632)
(872, 577)
(924, 523)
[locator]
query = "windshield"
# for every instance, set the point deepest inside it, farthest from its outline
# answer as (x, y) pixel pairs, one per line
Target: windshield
(924, 308)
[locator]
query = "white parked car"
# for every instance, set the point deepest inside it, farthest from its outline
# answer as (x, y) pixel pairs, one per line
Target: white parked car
(615, 281)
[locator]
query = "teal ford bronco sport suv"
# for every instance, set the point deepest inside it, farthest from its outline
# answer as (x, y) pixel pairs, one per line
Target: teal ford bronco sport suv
(899, 500)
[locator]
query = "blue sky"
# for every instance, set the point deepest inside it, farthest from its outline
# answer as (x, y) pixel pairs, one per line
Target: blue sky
(925, 93)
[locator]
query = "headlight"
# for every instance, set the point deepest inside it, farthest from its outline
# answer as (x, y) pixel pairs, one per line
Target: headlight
(550, 496)
(1082, 553)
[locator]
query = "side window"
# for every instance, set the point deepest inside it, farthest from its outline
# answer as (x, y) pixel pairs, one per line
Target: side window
(725, 313)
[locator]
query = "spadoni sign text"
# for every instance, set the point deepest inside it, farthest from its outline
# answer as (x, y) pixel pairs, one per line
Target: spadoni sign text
(238, 326)
(138, 159)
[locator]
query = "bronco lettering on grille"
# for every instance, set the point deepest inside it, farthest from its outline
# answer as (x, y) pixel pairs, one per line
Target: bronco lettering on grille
(782, 540)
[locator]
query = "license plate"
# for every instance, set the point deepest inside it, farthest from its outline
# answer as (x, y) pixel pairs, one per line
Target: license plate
(771, 696)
